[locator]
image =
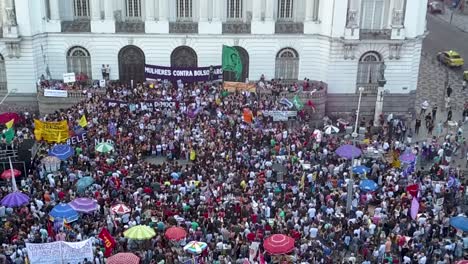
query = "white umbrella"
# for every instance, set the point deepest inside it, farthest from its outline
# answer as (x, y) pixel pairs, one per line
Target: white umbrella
(331, 130)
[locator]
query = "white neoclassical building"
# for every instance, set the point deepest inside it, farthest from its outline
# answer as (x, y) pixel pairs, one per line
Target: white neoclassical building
(341, 42)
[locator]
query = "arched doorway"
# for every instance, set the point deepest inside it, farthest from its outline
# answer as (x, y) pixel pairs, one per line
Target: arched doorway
(369, 71)
(244, 56)
(184, 56)
(287, 64)
(131, 64)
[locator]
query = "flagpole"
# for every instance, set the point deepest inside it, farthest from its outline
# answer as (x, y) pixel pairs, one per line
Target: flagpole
(13, 180)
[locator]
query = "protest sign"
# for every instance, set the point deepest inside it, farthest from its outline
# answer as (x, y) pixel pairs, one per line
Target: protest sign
(185, 74)
(69, 77)
(239, 86)
(148, 104)
(83, 137)
(55, 93)
(47, 253)
(280, 115)
(76, 252)
(60, 252)
(52, 132)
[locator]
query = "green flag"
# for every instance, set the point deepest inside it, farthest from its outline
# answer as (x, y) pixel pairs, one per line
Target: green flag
(232, 61)
(9, 135)
(298, 103)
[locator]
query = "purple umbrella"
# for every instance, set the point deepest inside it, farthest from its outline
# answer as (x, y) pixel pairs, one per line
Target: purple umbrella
(83, 205)
(407, 158)
(348, 152)
(15, 199)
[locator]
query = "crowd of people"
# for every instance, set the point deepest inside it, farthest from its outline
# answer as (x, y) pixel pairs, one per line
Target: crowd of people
(230, 182)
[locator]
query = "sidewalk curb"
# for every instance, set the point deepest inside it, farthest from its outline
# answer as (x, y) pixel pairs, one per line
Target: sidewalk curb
(440, 17)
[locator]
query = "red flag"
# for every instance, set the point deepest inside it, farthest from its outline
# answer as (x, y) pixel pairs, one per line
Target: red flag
(109, 242)
(413, 190)
(50, 229)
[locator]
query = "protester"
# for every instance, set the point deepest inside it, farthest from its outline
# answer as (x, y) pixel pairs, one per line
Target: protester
(230, 176)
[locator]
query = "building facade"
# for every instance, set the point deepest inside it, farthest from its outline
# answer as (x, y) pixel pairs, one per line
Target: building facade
(341, 42)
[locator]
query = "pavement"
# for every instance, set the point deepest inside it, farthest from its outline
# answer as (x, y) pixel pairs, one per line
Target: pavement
(433, 76)
(454, 17)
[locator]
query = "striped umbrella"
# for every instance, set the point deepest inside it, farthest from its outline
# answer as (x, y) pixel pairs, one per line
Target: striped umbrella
(140, 232)
(104, 147)
(123, 258)
(15, 199)
(83, 205)
(195, 247)
(120, 209)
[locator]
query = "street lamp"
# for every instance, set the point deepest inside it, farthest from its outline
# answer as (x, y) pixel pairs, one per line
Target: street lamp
(12, 91)
(355, 134)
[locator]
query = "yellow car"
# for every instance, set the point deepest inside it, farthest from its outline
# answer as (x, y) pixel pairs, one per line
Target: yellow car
(450, 58)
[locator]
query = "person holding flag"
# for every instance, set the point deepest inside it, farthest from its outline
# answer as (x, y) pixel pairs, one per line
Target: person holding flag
(232, 61)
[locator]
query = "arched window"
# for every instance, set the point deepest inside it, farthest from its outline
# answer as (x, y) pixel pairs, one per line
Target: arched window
(3, 77)
(79, 61)
(287, 64)
(369, 70)
(184, 56)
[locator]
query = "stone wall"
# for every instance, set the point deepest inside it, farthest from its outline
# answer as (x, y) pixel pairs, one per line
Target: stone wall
(19, 103)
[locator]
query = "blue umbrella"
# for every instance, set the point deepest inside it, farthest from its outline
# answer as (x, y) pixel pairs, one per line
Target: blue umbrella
(84, 183)
(62, 151)
(459, 222)
(361, 169)
(63, 212)
(368, 186)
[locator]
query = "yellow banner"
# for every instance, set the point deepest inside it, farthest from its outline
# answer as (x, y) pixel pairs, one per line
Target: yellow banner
(239, 86)
(55, 132)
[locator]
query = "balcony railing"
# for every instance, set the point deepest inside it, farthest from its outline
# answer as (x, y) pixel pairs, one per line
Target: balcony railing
(76, 26)
(369, 88)
(3, 86)
(76, 94)
(233, 27)
(375, 34)
(183, 27)
(130, 26)
(287, 27)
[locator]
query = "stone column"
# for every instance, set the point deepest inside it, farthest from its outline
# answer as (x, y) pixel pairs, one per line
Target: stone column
(160, 25)
(163, 10)
(109, 9)
(108, 24)
(267, 26)
(269, 6)
(309, 5)
(95, 10)
(216, 10)
(54, 9)
(149, 8)
(214, 26)
(203, 12)
(257, 10)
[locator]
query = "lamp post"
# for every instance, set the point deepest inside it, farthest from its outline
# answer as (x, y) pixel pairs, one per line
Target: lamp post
(350, 190)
